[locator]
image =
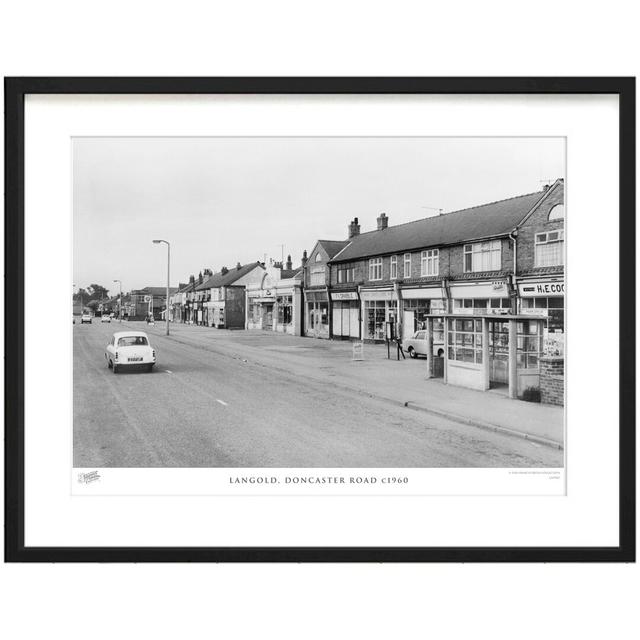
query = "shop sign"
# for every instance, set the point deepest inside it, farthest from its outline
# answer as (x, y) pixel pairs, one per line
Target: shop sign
(422, 294)
(534, 312)
(344, 295)
(533, 289)
(497, 289)
(377, 295)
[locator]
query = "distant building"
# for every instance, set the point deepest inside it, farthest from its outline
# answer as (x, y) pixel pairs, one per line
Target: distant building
(149, 301)
(223, 295)
(275, 303)
(317, 306)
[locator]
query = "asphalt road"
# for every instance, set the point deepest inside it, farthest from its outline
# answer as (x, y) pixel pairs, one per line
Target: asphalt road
(214, 400)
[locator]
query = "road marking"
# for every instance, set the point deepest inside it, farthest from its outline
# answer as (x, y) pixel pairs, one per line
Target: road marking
(221, 402)
(167, 371)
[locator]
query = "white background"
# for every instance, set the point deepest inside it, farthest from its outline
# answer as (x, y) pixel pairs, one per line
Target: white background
(334, 38)
(586, 516)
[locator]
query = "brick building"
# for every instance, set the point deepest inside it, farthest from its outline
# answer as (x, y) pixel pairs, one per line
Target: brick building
(223, 301)
(149, 301)
(316, 281)
(486, 282)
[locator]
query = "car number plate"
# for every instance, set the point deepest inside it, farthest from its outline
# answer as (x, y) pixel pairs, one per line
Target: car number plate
(134, 359)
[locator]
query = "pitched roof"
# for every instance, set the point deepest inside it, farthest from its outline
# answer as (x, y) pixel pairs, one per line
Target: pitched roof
(225, 279)
(333, 246)
(290, 273)
(483, 221)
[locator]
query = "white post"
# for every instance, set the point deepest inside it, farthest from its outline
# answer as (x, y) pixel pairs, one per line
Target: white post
(513, 359)
(429, 347)
(486, 364)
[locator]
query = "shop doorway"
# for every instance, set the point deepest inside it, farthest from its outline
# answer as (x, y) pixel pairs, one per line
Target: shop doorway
(408, 324)
(498, 354)
(267, 317)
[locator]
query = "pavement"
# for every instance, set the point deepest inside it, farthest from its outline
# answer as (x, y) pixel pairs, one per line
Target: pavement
(404, 382)
(258, 399)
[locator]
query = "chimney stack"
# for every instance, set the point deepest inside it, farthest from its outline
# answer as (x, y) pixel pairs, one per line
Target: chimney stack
(354, 228)
(383, 221)
(192, 279)
(304, 258)
(238, 266)
(289, 265)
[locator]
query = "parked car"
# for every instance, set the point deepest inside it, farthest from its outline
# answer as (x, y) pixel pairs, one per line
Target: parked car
(416, 345)
(105, 318)
(85, 317)
(130, 349)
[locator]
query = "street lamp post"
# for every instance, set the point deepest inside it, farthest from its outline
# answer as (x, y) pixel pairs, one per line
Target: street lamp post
(120, 301)
(166, 309)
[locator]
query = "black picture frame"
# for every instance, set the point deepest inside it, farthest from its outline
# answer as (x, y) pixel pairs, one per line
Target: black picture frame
(15, 91)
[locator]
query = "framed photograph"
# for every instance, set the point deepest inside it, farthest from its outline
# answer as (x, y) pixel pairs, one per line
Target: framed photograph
(320, 319)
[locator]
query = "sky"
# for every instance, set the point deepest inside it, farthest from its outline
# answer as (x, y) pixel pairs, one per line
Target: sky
(220, 201)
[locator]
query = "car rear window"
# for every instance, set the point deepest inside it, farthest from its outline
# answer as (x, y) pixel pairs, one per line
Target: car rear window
(132, 341)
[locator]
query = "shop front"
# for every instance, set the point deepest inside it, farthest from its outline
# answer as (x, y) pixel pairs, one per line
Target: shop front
(260, 307)
(317, 314)
(546, 298)
(378, 307)
(418, 305)
(214, 316)
(274, 304)
(285, 312)
(345, 313)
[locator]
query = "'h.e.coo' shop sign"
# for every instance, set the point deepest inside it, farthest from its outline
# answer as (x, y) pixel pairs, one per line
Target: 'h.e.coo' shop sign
(533, 289)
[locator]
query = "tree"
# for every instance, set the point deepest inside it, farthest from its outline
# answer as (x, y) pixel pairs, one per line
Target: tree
(97, 292)
(82, 295)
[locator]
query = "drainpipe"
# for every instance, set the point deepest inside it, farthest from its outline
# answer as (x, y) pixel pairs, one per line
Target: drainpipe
(514, 237)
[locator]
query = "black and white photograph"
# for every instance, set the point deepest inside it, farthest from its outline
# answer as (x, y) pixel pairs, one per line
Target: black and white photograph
(319, 302)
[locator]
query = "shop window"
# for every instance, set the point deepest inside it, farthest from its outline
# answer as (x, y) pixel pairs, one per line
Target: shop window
(482, 256)
(499, 305)
(549, 249)
(552, 308)
(285, 309)
(375, 269)
(375, 316)
(407, 265)
(324, 313)
(556, 213)
(393, 267)
(464, 343)
(429, 263)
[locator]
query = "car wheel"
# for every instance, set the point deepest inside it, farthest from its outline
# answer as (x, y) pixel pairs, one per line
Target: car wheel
(412, 352)
(115, 368)
(150, 368)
